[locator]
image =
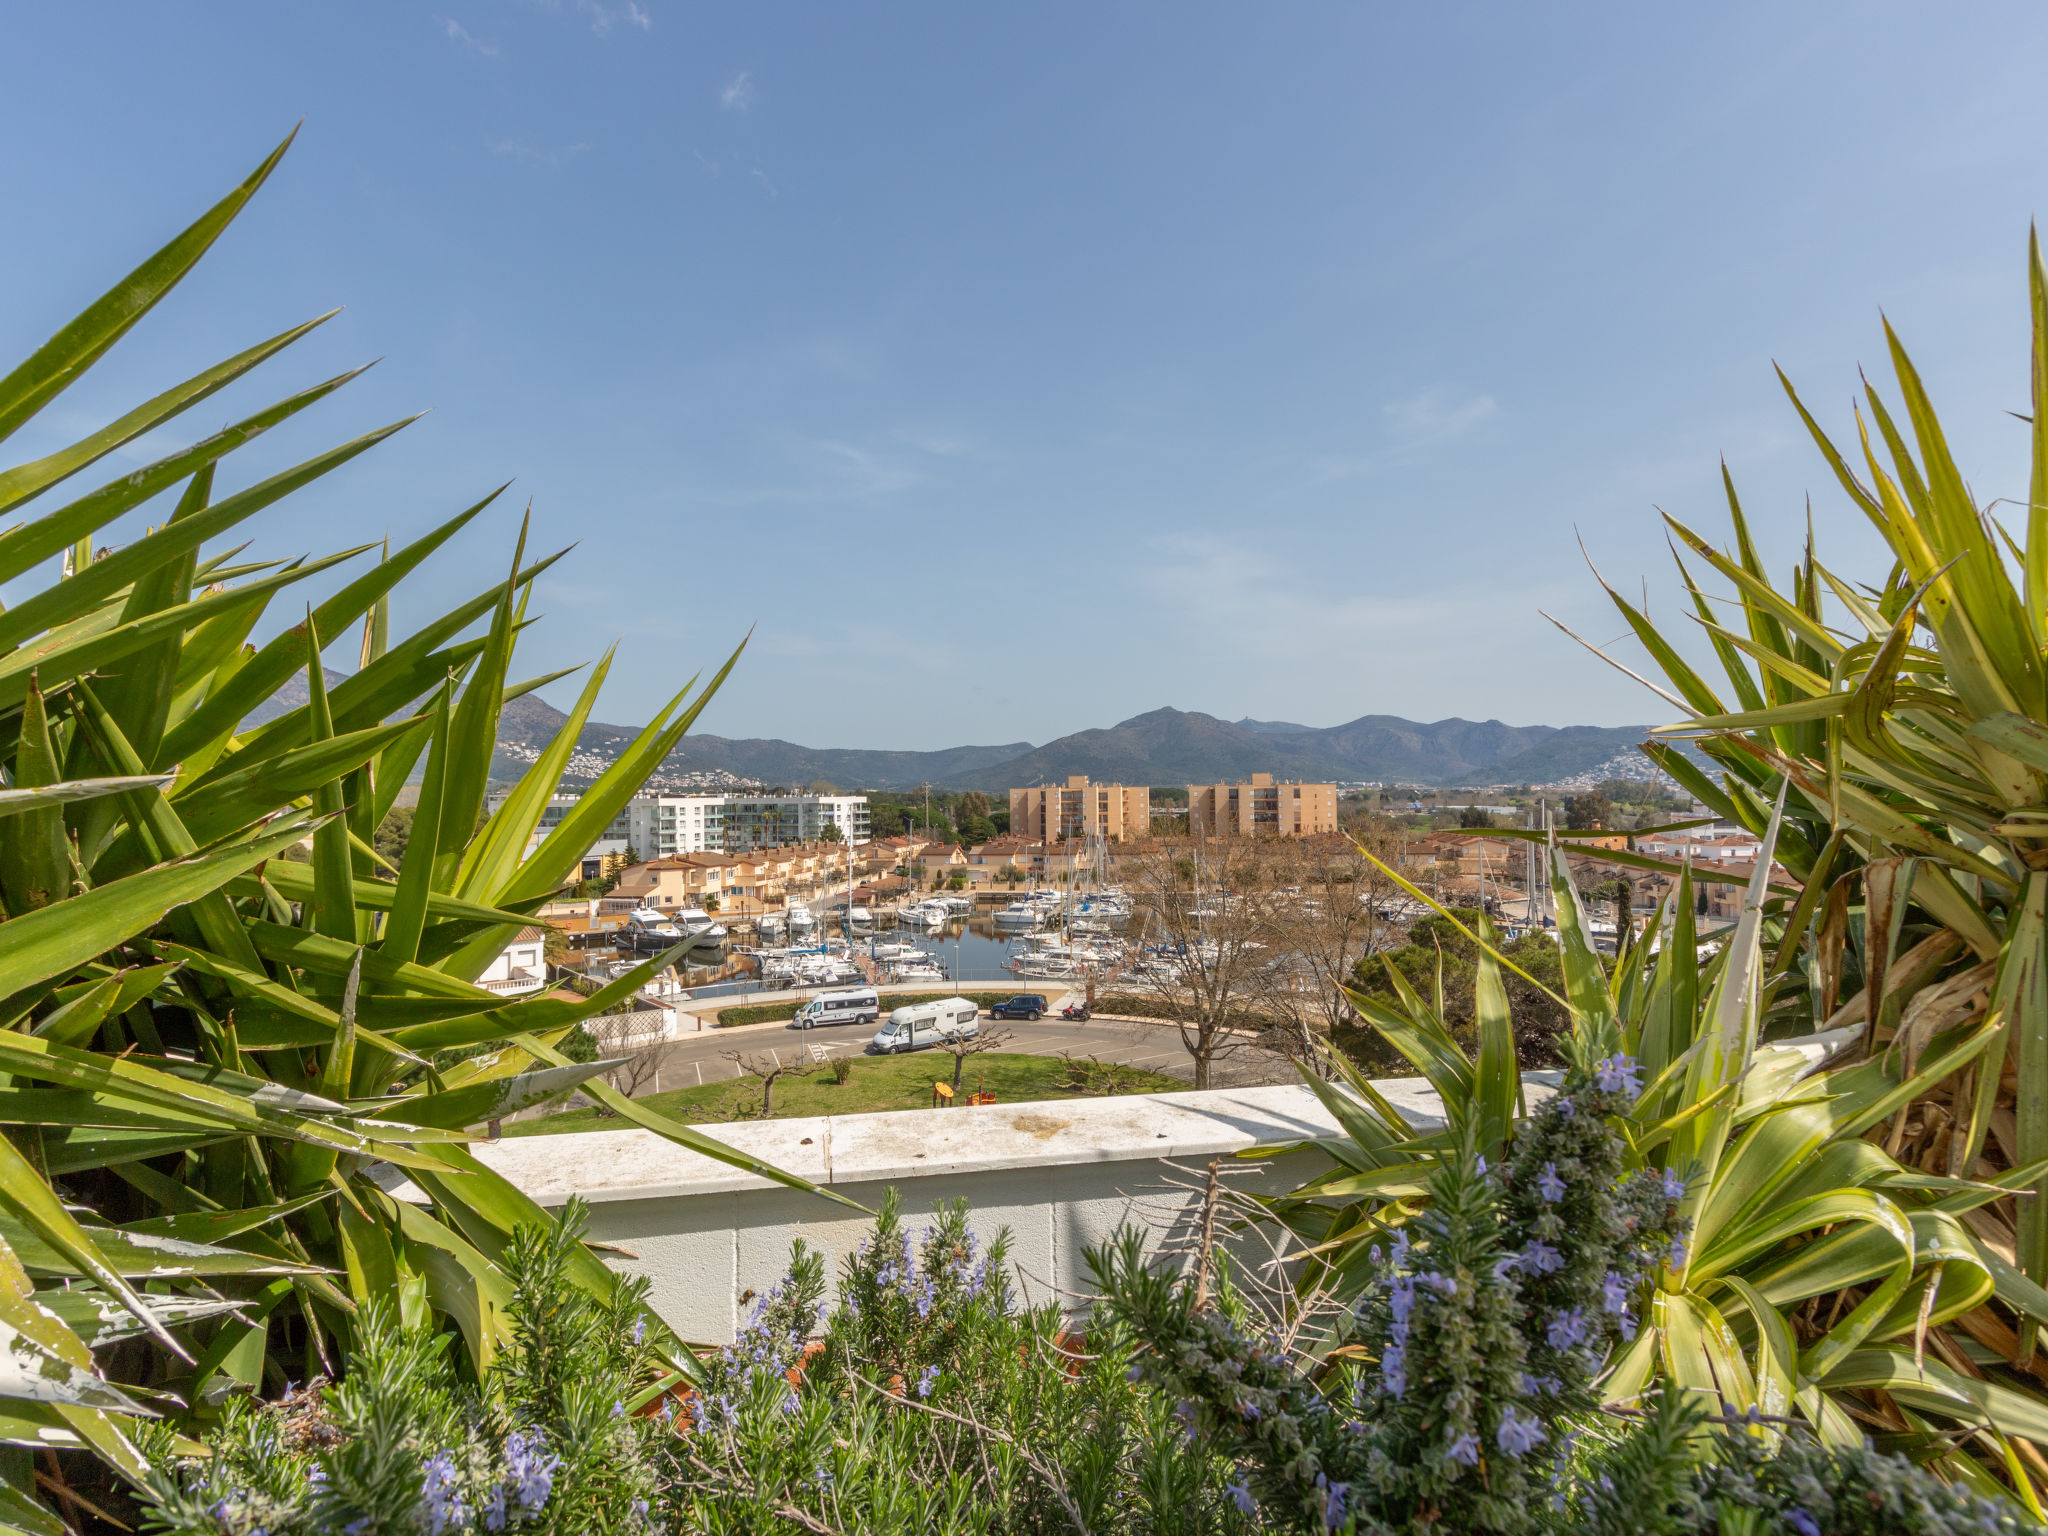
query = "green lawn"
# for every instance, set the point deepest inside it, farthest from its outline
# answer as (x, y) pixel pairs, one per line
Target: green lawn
(877, 1083)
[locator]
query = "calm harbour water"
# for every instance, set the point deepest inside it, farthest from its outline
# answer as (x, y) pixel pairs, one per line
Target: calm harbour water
(969, 950)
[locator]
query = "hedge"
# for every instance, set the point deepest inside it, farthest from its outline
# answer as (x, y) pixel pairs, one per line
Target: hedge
(766, 1013)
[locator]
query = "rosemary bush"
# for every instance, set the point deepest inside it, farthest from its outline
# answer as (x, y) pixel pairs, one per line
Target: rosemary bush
(1457, 1392)
(402, 1444)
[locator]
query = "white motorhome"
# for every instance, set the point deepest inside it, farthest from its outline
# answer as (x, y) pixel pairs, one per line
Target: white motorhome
(917, 1025)
(857, 1005)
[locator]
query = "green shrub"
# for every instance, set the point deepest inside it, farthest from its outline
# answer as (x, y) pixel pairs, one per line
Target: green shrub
(404, 1443)
(768, 1013)
(1458, 1392)
(1540, 1023)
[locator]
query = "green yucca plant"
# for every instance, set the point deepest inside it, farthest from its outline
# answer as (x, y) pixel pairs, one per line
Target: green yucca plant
(208, 1041)
(1905, 722)
(1891, 739)
(1822, 1275)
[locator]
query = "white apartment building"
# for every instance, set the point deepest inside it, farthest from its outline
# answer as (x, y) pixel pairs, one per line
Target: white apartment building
(661, 826)
(770, 821)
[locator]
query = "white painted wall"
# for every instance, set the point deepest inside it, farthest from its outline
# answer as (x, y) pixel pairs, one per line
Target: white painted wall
(1063, 1175)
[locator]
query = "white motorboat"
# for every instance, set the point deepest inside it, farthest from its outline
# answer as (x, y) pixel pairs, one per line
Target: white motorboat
(648, 929)
(696, 923)
(1021, 917)
(859, 917)
(933, 914)
(920, 970)
(958, 906)
(1051, 967)
(771, 925)
(801, 921)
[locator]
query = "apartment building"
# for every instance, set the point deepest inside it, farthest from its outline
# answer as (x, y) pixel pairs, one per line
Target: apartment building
(665, 826)
(1078, 809)
(770, 821)
(552, 813)
(1262, 808)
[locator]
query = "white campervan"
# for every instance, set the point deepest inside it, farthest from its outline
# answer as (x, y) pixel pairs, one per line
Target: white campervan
(858, 1005)
(918, 1025)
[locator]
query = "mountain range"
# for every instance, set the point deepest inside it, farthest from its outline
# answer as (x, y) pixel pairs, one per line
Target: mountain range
(1165, 746)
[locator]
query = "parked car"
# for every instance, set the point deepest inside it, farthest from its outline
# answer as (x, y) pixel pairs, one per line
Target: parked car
(917, 1025)
(858, 1005)
(1025, 1005)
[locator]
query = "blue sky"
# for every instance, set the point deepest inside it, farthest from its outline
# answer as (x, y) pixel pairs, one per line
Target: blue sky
(1018, 369)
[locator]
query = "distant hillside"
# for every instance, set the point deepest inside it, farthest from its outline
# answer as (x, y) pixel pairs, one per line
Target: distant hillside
(528, 723)
(1171, 746)
(291, 694)
(1165, 746)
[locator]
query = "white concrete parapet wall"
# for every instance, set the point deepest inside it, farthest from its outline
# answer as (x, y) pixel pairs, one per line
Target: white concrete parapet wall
(1063, 1175)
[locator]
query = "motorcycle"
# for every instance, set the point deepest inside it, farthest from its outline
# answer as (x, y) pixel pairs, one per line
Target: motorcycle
(1075, 1011)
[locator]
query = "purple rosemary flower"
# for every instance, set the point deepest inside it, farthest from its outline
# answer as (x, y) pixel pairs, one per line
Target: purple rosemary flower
(1401, 1299)
(440, 1494)
(1541, 1257)
(494, 1509)
(1802, 1522)
(1464, 1450)
(1334, 1496)
(1550, 1186)
(639, 1330)
(1519, 1433)
(925, 1380)
(1241, 1495)
(532, 1469)
(1674, 1186)
(1614, 1294)
(1394, 1370)
(1676, 1258)
(1567, 1328)
(1482, 1165)
(1619, 1074)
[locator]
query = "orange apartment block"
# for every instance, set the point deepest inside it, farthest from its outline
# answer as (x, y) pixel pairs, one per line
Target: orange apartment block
(1262, 808)
(1050, 813)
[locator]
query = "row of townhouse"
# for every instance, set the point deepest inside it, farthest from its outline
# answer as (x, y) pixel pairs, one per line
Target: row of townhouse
(1707, 845)
(766, 877)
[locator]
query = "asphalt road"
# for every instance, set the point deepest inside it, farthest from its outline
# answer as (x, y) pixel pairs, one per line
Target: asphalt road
(700, 1058)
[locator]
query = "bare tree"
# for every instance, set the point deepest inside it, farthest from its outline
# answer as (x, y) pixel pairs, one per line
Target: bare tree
(1329, 909)
(960, 1047)
(639, 1069)
(766, 1069)
(1208, 907)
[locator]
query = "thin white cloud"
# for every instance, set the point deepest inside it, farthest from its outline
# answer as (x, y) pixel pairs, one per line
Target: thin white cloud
(1412, 428)
(462, 37)
(604, 17)
(1435, 416)
(534, 154)
(738, 94)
